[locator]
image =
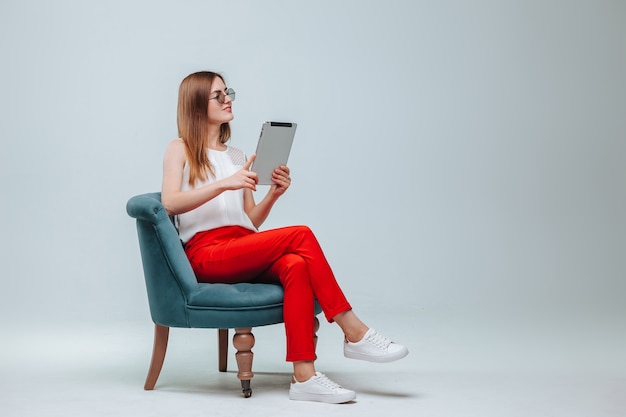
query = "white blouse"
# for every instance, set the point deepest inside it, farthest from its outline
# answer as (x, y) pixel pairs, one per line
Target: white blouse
(224, 210)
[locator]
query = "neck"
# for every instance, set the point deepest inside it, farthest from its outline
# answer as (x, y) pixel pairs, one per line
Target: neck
(214, 137)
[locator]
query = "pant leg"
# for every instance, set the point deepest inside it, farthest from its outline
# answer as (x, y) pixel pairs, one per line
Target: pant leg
(239, 255)
(250, 254)
(299, 305)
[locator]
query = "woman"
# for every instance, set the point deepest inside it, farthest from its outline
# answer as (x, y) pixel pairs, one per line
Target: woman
(208, 186)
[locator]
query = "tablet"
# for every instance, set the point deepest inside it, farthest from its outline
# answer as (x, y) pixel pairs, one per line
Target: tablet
(273, 149)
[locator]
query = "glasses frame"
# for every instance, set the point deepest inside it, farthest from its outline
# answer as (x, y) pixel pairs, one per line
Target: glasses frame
(221, 96)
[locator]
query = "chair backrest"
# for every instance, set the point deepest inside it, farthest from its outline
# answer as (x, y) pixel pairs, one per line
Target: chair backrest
(168, 274)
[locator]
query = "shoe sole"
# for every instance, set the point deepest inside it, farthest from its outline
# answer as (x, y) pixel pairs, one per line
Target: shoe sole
(375, 358)
(329, 399)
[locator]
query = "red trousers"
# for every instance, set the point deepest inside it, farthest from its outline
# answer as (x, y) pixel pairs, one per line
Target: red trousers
(290, 256)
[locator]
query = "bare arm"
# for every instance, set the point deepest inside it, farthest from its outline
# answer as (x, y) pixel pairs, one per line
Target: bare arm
(176, 201)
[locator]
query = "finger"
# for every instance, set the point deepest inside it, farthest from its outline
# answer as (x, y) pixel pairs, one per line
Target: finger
(249, 162)
(282, 169)
(282, 181)
(281, 174)
(253, 176)
(250, 185)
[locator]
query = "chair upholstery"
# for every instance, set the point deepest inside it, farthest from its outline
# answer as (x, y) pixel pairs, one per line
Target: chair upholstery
(176, 299)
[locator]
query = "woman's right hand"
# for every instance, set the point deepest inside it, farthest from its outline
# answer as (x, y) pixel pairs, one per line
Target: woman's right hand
(244, 178)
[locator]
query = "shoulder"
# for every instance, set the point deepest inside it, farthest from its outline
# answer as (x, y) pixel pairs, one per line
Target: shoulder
(176, 150)
(233, 150)
(236, 155)
(176, 146)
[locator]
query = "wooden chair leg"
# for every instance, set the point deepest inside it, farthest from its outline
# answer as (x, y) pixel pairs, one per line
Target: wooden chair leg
(243, 340)
(222, 346)
(161, 335)
(316, 327)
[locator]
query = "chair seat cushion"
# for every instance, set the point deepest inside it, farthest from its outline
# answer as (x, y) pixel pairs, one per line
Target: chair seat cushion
(241, 296)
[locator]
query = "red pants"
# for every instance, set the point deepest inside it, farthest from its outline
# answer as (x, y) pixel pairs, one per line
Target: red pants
(289, 255)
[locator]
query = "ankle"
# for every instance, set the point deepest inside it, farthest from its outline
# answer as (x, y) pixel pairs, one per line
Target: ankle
(303, 371)
(356, 335)
(353, 328)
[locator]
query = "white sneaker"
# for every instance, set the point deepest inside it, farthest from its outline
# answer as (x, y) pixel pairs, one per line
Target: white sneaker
(374, 347)
(320, 388)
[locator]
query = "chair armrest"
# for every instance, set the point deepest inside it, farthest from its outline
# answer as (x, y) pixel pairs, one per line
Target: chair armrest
(147, 207)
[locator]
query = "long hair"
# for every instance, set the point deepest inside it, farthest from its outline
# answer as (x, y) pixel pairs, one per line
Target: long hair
(193, 122)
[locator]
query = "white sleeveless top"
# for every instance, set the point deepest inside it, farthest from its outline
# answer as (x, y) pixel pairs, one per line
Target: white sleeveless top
(224, 210)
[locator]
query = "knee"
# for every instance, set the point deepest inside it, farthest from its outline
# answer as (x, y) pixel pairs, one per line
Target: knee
(291, 262)
(293, 270)
(301, 240)
(304, 231)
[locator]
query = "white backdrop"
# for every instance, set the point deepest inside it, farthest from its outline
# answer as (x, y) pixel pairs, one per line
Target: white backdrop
(450, 154)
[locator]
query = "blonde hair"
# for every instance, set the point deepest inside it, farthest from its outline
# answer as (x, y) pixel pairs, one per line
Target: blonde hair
(193, 122)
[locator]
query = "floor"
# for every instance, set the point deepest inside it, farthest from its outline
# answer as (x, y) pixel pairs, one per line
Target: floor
(460, 365)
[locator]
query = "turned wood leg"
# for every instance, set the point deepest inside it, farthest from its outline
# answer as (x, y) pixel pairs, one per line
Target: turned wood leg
(161, 335)
(222, 346)
(316, 327)
(243, 340)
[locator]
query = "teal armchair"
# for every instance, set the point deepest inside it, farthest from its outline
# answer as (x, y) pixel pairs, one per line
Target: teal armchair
(176, 299)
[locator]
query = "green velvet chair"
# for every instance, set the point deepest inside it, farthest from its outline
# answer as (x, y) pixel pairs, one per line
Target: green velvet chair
(176, 299)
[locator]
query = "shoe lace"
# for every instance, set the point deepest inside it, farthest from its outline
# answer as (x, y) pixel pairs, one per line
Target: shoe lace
(327, 382)
(379, 340)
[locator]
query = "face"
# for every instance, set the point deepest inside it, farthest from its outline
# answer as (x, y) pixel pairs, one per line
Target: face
(220, 113)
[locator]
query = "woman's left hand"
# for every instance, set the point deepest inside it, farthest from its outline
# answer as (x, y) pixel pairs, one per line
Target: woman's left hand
(259, 212)
(281, 179)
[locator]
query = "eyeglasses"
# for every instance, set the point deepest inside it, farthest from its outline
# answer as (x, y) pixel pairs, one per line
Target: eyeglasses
(221, 96)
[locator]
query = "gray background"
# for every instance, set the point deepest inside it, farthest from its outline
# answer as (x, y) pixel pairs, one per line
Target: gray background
(450, 155)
